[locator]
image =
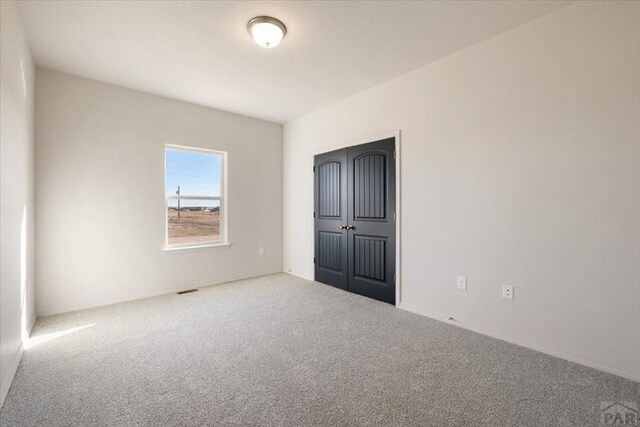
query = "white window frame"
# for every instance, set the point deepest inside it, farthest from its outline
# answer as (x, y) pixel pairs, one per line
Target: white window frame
(224, 236)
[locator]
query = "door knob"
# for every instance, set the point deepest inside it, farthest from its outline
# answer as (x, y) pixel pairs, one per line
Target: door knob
(350, 227)
(343, 227)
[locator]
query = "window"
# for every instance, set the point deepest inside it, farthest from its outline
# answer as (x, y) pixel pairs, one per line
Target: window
(195, 197)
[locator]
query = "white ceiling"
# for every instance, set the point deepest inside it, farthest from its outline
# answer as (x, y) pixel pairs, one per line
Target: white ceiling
(201, 52)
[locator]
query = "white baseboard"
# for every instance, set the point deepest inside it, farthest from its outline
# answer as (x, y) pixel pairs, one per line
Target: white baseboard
(514, 339)
(182, 287)
(11, 372)
(13, 367)
(33, 318)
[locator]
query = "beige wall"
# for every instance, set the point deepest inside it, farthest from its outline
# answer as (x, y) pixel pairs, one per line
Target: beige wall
(16, 194)
(100, 194)
(520, 166)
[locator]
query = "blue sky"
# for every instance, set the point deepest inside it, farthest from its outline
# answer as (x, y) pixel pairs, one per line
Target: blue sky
(196, 173)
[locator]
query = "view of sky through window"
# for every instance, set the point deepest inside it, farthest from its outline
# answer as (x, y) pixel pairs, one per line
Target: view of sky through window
(197, 174)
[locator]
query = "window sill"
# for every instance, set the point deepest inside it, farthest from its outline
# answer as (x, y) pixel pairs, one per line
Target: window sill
(201, 246)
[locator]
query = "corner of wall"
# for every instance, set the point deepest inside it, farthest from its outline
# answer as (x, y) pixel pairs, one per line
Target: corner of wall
(17, 194)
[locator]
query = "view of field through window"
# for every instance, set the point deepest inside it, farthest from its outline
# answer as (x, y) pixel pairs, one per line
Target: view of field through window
(192, 188)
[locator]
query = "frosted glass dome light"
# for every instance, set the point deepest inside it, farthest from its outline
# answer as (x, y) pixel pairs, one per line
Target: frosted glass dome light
(266, 31)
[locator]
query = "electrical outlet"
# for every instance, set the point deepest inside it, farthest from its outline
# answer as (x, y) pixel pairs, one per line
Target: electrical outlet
(261, 250)
(461, 283)
(507, 292)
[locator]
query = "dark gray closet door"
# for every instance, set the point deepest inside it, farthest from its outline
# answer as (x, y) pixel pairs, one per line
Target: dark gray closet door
(330, 201)
(355, 201)
(372, 230)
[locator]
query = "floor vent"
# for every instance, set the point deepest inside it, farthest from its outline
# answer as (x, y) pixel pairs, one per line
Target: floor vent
(188, 291)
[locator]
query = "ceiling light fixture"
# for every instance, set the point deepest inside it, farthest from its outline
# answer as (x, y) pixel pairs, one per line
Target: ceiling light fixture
(266, 31)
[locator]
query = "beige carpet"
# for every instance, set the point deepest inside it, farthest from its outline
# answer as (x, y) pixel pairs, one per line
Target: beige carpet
(282, 351)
